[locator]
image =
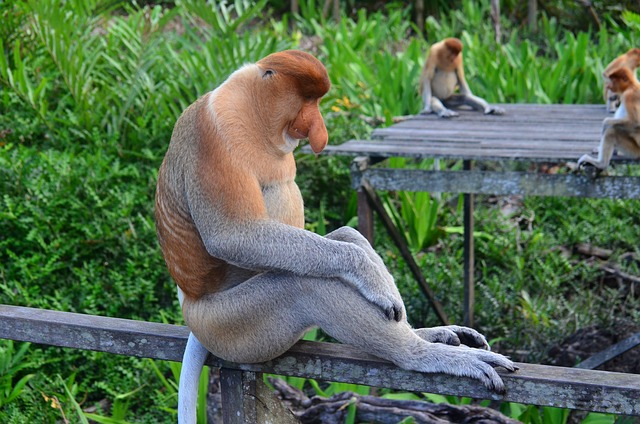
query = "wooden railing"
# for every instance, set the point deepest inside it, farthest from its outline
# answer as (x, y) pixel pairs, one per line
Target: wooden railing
(245, 399)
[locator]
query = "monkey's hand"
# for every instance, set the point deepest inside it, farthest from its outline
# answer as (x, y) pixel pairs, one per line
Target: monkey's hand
(453, 335)
(447, 113)
(371, 277)
(464, 361)
(376, 284)
(494, 110)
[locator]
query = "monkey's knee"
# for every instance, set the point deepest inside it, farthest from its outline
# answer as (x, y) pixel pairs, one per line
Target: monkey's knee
(350, 235)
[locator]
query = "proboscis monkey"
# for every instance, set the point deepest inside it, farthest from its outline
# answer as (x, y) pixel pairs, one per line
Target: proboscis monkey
(624, 132)
(251, 280)
(629, 60)
(442, 75)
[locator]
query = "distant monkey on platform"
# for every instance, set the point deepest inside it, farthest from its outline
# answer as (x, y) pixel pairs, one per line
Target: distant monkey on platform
(619, 132)
(443, 84)
(629, 60)
(251, 280)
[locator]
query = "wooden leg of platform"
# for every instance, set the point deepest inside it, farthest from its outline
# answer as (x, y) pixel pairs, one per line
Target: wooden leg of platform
(469, 289)
(365, 216)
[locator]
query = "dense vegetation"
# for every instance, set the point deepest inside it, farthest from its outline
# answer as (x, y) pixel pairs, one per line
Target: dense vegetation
(90, 93)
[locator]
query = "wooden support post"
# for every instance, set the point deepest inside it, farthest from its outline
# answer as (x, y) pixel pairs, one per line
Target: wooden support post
(469, 289)
(365, 213)
(247, 400)
(365, 216)
(231, 390)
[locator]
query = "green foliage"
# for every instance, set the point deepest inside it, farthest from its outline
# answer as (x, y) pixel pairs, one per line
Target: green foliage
(416, 214)
(91, 90)
(78, 73)
(169, 392)
(13, 362)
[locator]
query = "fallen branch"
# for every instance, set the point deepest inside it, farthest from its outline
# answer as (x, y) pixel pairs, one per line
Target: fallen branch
(379, 410)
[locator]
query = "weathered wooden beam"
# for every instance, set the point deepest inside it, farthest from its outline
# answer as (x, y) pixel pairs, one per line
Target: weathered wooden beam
(469, 296)
(504, 183)
(533, 384)
(610, 352)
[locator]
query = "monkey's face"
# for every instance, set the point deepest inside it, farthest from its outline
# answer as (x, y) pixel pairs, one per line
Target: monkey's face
(619, 80)
(295, 82)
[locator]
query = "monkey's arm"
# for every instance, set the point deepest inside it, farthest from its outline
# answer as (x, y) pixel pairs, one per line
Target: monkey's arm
(425, 81)
(472, 100)
(262, 244)
(623, 124)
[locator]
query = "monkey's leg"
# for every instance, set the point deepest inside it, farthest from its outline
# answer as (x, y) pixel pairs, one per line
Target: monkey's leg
(629, 144)
(477, 103)
(261, 318)
(608, 142)
(451, 334)
(440, 109)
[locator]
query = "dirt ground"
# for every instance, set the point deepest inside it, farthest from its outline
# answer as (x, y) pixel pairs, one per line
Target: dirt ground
(588, 341)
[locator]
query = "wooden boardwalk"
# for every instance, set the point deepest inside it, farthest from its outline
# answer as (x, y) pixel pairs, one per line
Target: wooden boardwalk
(538, 133)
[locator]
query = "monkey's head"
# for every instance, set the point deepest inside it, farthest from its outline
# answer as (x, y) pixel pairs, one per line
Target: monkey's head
(620, 80)
(635, 55)
(454, 45)
(450, 56)
(291, 85)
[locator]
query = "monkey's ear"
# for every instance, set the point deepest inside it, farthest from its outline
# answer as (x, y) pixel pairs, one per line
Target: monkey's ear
(267, 73)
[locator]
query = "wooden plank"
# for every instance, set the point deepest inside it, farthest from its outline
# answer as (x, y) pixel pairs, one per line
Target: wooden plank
(504, 183)
(533, 384)
(610, 352)
(422, 150)
(87, 332)
(538, 133)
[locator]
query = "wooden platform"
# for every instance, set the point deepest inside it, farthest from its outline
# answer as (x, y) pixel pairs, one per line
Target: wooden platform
(539, 133)
(526, 133)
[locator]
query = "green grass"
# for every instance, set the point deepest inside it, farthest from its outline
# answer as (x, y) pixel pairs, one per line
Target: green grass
(90, 93)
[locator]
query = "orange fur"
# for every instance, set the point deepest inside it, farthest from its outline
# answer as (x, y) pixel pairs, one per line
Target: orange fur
(443, 86)
(629, 60)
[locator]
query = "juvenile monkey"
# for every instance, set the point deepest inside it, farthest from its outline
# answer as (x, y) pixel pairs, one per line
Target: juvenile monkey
(619, 132)
(251, 280)
(630, 60)
(442, 74)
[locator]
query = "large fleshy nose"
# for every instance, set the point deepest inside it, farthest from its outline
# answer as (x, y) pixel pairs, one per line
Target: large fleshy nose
(309, 123)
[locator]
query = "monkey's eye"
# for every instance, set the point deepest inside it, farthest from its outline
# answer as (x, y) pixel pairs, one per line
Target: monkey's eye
(268, 73)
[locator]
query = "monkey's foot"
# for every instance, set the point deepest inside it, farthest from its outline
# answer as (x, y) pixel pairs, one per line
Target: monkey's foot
(453, 335)
(464, 362)
(426, 111)
(447, 113)
(494, 110)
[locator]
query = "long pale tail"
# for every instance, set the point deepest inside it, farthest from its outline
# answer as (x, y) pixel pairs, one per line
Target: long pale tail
(192, 362)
